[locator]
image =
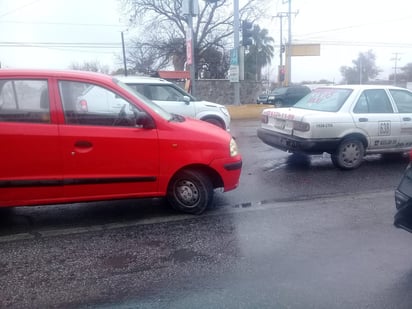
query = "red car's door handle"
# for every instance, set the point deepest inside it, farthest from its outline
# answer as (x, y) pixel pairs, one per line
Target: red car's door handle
(82, 147)
(83, 144)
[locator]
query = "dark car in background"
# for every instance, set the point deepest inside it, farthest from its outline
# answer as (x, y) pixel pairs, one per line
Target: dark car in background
(262, 98)
(287, 96)
(403, 200)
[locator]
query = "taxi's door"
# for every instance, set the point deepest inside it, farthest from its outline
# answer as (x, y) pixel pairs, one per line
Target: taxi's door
(374, 114)
(403, 103)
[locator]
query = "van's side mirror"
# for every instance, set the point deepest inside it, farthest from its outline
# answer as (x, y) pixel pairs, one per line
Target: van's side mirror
(186, 99)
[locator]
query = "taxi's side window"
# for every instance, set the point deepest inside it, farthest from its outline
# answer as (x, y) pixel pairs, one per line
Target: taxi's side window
(24, 101)
(90, 104)
(403, 100)
(373, 101)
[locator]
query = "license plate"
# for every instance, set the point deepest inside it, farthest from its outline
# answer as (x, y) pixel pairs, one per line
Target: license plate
(289, 143)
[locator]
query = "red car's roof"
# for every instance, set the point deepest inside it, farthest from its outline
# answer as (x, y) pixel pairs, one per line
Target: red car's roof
(54, 73)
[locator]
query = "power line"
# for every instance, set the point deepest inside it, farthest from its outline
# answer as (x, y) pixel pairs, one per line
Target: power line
(61, 44)
(358, 43)
(58, 23)
(18, 8)
(380, 22)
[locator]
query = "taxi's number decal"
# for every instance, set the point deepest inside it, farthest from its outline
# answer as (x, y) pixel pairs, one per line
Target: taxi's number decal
(384, 128)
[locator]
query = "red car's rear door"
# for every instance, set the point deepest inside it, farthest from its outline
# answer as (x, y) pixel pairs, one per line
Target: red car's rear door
(31, 167)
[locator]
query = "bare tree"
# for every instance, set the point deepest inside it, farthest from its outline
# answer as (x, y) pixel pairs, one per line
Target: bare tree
(404, 76)
(93, 66)
(364, 69)
(163, 28)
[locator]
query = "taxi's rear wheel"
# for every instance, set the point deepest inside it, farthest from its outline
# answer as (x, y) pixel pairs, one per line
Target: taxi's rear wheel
(349, 154)
(190, 191)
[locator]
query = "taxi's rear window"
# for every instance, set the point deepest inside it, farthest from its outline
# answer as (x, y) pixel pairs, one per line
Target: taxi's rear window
(324, 99)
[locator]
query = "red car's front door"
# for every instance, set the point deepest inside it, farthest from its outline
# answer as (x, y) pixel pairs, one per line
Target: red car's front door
(102, 157)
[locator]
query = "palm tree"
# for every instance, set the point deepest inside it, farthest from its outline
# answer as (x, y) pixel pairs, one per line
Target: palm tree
(259, 54)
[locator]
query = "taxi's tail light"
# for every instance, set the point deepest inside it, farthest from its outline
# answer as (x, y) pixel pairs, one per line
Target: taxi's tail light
(301, 126)
(410, 155)
(264, 118)
(83, 105)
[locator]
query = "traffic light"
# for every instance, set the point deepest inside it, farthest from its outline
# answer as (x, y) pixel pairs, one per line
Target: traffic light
(247, 33)
(282, 49)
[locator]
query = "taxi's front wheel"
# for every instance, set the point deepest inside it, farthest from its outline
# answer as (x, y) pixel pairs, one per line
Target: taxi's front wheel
(190, 191)
(349, 154)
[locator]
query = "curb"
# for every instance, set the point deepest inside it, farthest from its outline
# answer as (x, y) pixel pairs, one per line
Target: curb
(247, 111)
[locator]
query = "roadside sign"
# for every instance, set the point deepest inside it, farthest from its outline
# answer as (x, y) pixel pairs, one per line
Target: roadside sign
(234, 73)
(234, 57)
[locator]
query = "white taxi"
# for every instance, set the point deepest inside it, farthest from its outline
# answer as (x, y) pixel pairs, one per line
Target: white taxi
(347, 121)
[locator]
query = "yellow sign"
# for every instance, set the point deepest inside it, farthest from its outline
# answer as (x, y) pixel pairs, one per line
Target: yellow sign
(305, 50)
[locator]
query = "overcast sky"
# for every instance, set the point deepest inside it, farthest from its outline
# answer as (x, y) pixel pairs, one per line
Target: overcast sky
(61, 32)
(56, 33)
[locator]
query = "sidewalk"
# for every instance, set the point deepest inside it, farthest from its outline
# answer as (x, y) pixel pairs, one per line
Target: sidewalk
(247, 111)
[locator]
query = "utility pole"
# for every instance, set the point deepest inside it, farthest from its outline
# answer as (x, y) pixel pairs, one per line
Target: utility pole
(190, 8)
(396, 58)
(360, 71)
(281, 46)
(124, 55)
(236, 85)
(289, 44)
(289, 49)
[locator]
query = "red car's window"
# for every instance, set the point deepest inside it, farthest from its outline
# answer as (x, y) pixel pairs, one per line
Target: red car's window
(24, 101)
(89, 104)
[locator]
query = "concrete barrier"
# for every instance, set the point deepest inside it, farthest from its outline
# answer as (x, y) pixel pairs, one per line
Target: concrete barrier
(247, 111)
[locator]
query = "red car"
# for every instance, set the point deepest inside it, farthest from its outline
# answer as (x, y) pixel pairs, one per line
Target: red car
(54, 151)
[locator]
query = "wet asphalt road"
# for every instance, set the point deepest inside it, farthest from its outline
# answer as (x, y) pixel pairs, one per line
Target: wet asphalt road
(295, 234)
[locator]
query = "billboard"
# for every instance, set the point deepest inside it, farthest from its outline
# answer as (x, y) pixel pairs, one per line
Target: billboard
(305, 50)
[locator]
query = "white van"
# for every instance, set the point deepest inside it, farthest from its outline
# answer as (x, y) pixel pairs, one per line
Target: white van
(175, 100)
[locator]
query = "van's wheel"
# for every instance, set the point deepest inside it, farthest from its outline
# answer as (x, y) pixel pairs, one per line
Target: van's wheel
(190, 191)
(349, 154)
(216, 122)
